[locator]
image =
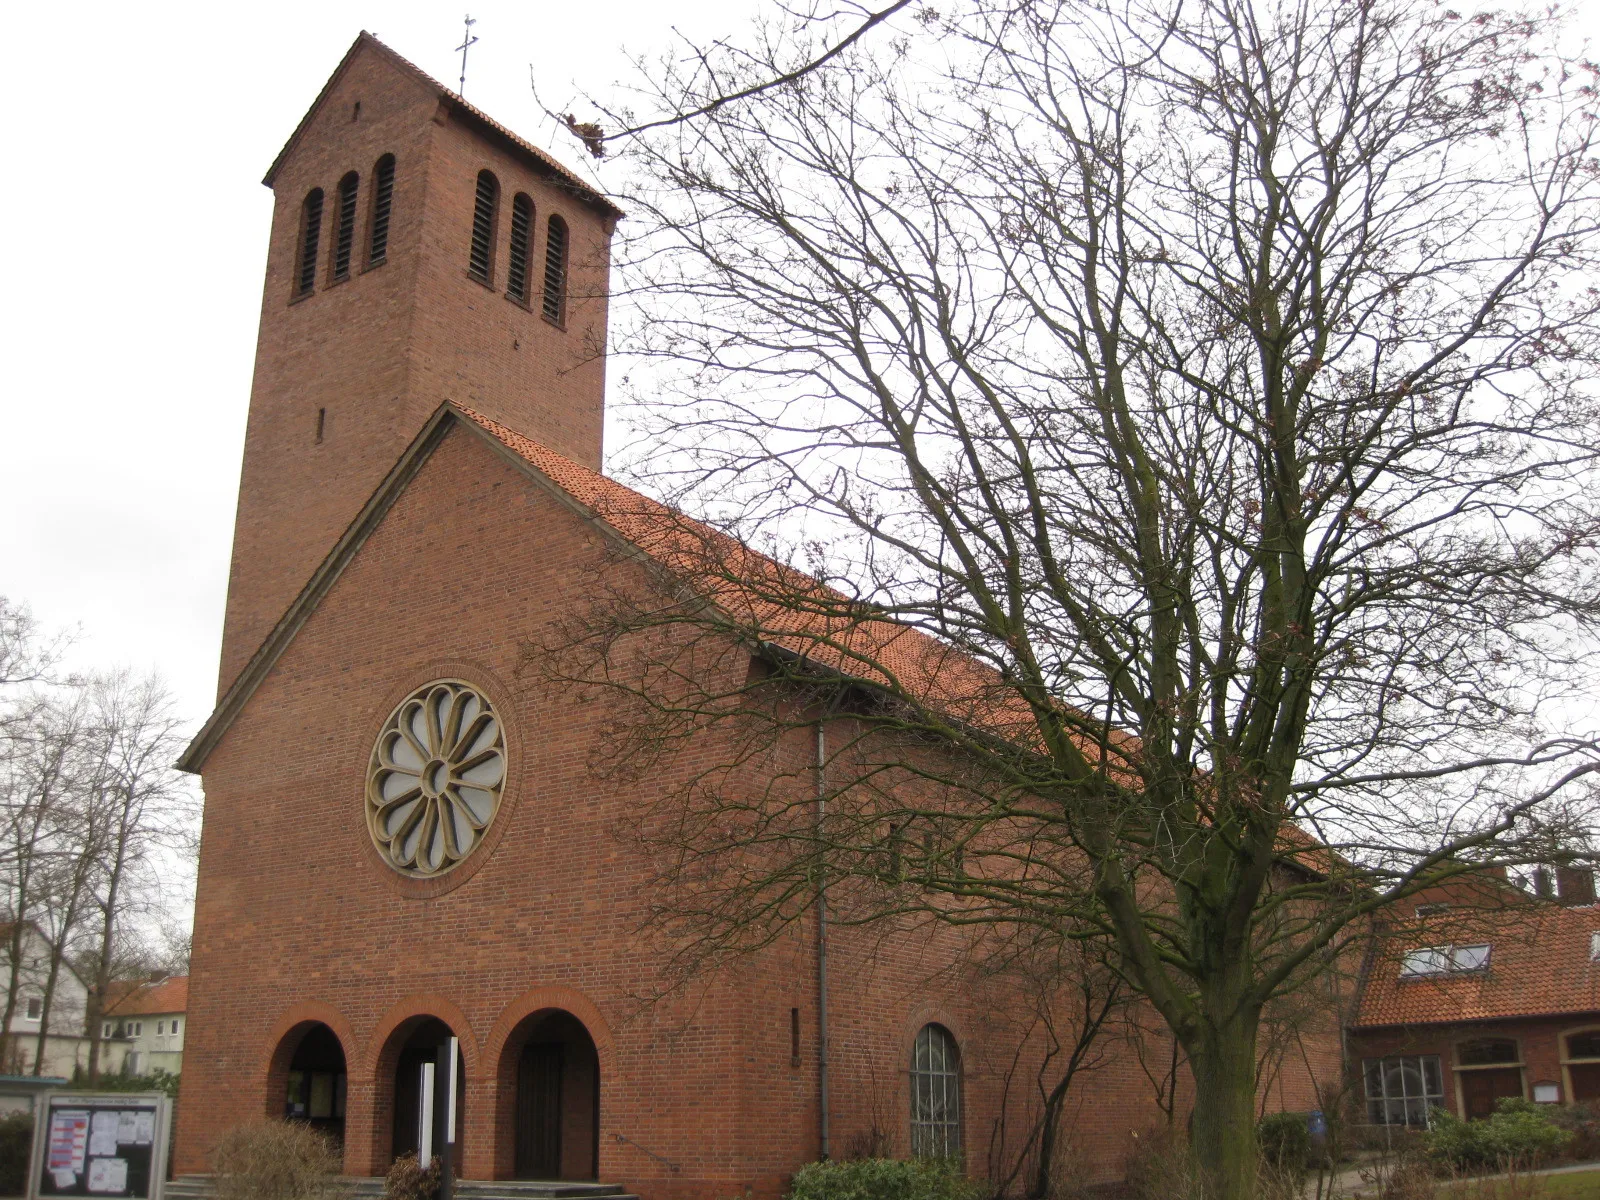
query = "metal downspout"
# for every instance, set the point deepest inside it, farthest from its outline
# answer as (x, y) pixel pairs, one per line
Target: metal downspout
(822, 950)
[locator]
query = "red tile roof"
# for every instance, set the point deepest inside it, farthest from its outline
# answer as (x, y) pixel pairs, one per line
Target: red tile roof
(1539, 964)
(170, 995)
(793, 612)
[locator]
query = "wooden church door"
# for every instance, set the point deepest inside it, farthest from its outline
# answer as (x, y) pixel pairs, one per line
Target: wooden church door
(539, 1111)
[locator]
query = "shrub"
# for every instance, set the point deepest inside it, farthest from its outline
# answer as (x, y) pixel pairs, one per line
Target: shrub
(1160, 1166)
(16, 1144)
(1518, 1134)
(1583, 1122)
(883, 1179)
(276, 1160)
(409, 1181)
(1285, 1140)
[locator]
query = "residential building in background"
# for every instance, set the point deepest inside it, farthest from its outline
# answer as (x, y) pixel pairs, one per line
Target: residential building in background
(146, 1021)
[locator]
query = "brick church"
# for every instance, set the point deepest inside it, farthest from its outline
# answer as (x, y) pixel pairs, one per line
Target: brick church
(404, 838)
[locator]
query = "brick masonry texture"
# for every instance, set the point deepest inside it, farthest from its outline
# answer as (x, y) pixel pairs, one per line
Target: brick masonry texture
(298, 921)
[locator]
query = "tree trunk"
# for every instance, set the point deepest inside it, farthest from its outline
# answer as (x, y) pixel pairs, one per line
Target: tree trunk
(1224, 1139)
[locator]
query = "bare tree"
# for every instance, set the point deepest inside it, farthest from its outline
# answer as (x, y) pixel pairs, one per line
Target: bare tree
(1182, 414)
(139, 805)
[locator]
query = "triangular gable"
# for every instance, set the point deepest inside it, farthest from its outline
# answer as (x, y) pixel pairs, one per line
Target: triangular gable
(457, 107)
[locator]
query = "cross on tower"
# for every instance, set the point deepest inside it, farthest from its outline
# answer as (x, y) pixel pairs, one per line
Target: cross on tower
(467, 41)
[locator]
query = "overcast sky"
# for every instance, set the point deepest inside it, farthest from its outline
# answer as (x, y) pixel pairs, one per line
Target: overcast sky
(136, 233)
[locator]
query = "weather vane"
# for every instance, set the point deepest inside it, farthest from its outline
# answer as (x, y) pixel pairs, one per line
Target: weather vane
(467, 41)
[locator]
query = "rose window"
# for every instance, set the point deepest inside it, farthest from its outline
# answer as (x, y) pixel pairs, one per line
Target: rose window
(434, 782)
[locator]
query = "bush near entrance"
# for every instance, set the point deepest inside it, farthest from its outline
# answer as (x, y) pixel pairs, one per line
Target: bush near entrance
(883, 1179)
(1520, 1134)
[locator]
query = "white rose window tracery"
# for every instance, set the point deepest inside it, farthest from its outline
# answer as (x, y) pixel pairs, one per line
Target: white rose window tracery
(434, 782)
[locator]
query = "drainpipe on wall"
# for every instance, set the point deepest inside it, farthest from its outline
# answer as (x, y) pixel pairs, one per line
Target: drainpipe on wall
(822, 949)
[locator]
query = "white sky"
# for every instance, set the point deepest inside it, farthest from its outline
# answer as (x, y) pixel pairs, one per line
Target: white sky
(137, 231)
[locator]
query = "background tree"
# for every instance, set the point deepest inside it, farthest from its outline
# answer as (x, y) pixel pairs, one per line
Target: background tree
(1215, 378)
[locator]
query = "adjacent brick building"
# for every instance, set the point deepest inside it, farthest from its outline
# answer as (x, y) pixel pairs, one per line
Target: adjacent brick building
(404, 834)
(1482, 991)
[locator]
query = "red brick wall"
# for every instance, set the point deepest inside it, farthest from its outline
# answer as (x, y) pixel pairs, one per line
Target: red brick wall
(1539, 1041)
(381, 350)
(298, 919)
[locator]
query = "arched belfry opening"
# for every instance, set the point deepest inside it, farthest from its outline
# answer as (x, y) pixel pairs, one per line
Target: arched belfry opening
(414, 1049)
(552, 1061)
(313, 1088)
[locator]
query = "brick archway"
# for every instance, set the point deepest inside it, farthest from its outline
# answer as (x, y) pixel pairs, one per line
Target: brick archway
(383, 1051)
(279, 1051)
(502, 1052)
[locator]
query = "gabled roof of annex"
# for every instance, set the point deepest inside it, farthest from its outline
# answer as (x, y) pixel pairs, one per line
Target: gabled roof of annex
(1541, 961)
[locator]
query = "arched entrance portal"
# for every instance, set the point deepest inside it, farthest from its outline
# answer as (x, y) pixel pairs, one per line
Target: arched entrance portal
(557, 1117)
(419, 1042)
(315, 1087)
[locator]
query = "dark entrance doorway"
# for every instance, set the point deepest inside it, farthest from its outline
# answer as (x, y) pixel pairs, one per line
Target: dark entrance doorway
(1481, 1089)
(421, 1045)
(558, 1100)
(316, 1086)
(1585, 1082)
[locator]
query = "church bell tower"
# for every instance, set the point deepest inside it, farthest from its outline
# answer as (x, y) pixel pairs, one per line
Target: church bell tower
(420, 252)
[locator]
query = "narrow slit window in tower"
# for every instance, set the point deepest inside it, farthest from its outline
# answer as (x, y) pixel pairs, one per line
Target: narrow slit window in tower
(310, 234)
(555, 271)
(480, 260)
(345, 240)
(517, 261)
(382, 200)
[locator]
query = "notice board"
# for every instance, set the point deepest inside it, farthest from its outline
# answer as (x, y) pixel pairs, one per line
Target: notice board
(111, 1144)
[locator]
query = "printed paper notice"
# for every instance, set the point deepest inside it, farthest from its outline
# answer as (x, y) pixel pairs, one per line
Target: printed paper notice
(144, 1127)
(69, 1139)
(108, 1175)
(126, 1126)
(103, 1134)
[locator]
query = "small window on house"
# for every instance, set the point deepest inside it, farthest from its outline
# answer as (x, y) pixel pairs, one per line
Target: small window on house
(174, 1026)
(1401, 1090)
(382, 203)
(1469, 958)
(1430, 960)
(935, 1094)
(138, 1029)
(1427, 910)
(35, 1008)
(480, 258)
(161, 1028)
(105, 1030)
(517, 260)
(1594, 946)
(555, 271)
(344, 242)
(1584, 1045)
(1486, 1052)
(310, 235)
(1441, 960)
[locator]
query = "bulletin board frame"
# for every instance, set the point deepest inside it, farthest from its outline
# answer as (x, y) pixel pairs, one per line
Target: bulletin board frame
(95, 1118)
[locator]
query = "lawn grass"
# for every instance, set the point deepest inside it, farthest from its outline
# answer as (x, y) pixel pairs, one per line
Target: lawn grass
(1576, 1185)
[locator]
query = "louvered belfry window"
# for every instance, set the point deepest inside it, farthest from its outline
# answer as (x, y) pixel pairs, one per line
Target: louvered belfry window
(481, 259)
(310, 235)
(382, 201)
(517, 260)
(935, 1094)
(345, 240)
(555, 271)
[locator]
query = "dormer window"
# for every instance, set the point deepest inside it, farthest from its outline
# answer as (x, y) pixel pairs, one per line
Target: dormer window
(480, 257)
(1594, 946)
(1443, 960)
(1428, 910)
(310, 235)
(344, 242)
(382, 202)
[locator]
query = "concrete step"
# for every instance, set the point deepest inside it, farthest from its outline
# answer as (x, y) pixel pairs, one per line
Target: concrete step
(199, 1187)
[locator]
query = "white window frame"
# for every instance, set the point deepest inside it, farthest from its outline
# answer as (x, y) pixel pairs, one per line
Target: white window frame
(1428, 962)
(1419, 1104)
(35, 1009)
